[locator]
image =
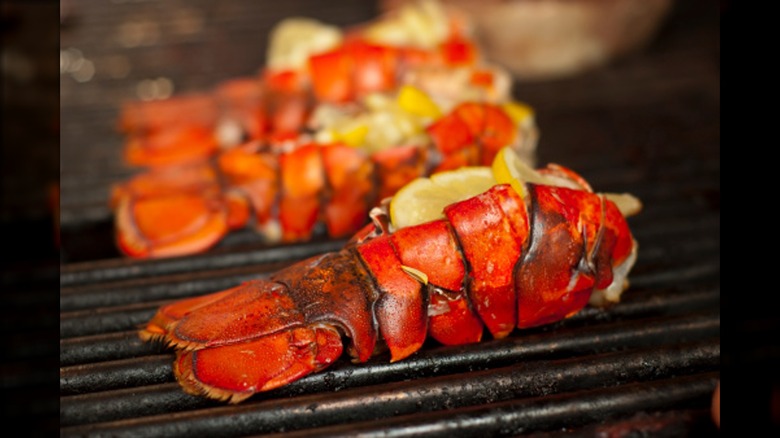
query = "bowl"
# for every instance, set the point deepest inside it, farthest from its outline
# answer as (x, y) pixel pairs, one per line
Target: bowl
(548, 39)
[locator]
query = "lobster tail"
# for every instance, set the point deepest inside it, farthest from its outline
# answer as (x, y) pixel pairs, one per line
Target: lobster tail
(495, 261)
(578, 240)
(288, 194)
(169, 211)
(432, 248)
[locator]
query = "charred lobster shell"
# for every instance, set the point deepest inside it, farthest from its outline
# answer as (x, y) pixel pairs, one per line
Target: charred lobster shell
(495, 261)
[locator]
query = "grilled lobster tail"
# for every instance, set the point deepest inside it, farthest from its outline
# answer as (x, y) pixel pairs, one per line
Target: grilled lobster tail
(496, 261)
(292, 194)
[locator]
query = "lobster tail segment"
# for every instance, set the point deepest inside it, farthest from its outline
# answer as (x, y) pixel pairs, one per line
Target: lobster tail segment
(401, 308)
(578, 237)
(432, 248)
(492, 229)
(334, 289)
(263, 307)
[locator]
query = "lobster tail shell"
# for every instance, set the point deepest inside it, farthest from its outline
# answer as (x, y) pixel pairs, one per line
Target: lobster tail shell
(492, 229)
(287, 327)
(401, 307)
(169, 314)
(432, 248)
(494, 261)
(334, 289)
(235, 372)
(265, 309)
(170, 211)
(293, 189)
(572, 249)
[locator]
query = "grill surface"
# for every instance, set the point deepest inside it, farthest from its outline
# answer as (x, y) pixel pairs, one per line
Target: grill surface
(648, 124)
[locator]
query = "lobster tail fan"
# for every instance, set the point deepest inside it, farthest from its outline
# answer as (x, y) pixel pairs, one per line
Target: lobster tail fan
(229, 355)
(235, 372)
(159, 326)
(265, 309)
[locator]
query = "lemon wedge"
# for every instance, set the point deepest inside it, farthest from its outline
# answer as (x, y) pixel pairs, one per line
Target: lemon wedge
(424, 199)
(351, 131)
(508, 168)
(520, 113)
(414, 101)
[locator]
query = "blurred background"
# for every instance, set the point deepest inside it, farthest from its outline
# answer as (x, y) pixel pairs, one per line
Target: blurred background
(116, 51)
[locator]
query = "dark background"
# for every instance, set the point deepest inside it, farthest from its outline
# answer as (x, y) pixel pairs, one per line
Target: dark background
(29, 165)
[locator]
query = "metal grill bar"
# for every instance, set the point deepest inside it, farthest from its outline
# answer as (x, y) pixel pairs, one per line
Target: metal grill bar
(102, 376)
(542, 413)
(179, 286)
(433, 394)
(117, 269)
(102, 347)
(146, 370)
(105, 320)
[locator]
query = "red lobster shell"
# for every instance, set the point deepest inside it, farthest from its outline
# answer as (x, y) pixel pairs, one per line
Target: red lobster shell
(284, 193)
(495, 261)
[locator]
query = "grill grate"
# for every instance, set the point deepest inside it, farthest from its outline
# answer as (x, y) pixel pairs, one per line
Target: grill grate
(479, 394)
(646, 366)
(663, 338)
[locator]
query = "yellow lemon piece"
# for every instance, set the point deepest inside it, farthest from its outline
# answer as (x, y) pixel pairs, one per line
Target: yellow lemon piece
(508, 168)
(465, 182)
(519, 112)
(353, 134)
(424, 199)
(414, 101)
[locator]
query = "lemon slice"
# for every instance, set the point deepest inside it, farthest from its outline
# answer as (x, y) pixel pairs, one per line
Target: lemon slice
(465, 182)
(508, 168)
(424, 199)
